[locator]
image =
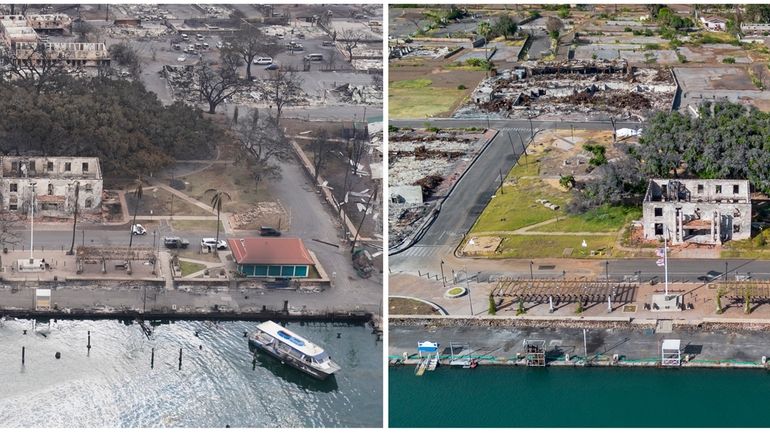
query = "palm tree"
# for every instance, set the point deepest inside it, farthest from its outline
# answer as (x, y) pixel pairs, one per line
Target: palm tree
(138, 196)
(217, 200)
(484, 29)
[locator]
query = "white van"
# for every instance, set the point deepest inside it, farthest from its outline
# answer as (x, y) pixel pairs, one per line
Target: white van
(263, 60)
(314, 57)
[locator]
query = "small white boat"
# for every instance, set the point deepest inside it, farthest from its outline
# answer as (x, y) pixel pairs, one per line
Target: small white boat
(290, 348)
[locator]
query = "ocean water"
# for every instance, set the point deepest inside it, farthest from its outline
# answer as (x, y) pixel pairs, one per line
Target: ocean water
(578, 397)
(112, 385)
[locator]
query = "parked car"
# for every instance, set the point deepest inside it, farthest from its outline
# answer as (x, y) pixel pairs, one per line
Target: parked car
(175, 242)
(263, 61)
(327, 43)
(181, 59)
(272, 67)
(219, 45)
(199, 36)
(138, 229)
(268, 231)
(301, 35)
(211, 242)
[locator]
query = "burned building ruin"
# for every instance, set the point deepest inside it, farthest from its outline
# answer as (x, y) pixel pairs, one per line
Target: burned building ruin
(702, 211)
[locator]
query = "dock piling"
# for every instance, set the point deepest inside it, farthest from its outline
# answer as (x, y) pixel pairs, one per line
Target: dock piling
(152, 358)
(180, 358)
(23, 350)
(88, 346)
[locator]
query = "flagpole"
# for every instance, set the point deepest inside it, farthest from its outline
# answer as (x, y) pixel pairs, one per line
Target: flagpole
(665, 258)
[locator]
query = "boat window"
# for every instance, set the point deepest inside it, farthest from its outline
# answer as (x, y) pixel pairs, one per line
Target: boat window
(321, 358)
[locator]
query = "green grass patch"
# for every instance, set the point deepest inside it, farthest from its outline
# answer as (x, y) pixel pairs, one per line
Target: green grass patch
(410, 99)
(716, 38)
(190, 267)
(602, 219)
(419, 83)
(752, 248)
(516, 207)
(524, 247)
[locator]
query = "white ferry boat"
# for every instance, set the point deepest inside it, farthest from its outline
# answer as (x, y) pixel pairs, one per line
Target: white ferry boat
(290, 348)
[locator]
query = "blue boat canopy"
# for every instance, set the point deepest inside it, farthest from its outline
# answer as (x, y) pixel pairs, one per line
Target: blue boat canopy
(427, 346)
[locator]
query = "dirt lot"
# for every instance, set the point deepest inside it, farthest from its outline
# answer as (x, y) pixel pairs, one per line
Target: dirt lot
(157, 201)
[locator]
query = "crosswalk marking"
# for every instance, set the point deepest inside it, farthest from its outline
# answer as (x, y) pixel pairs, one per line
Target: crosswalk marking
(424, 251)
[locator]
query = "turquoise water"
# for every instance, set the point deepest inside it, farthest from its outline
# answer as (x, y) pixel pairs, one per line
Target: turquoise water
(578, 397)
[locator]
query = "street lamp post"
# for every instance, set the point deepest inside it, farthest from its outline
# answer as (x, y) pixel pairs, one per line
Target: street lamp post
(443, 280)
(32, 224)
(468, 288)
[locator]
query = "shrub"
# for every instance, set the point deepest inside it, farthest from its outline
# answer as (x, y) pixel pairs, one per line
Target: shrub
(461, 87)
(729, 60)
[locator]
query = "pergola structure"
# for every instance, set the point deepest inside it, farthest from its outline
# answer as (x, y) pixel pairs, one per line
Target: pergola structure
(751, 291)
(759, 290)
(555, 291)
(123, 255)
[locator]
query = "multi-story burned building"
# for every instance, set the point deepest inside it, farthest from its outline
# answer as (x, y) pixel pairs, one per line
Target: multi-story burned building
(78, 54)
(53, 181)
(703, 211)
(14, 30)
(51, 23)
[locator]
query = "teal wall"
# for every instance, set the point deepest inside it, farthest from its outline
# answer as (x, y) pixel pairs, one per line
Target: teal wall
(275, 271)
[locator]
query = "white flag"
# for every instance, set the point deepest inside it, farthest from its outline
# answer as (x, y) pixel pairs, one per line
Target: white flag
(660, 252)
(660, 262)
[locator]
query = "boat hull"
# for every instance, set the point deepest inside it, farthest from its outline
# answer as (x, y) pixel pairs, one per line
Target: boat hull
(285, 359)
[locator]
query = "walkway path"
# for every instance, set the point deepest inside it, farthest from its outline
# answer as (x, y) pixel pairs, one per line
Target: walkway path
(528, 231)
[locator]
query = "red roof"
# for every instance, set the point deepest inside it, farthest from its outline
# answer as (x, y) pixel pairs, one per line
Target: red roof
(270, 251)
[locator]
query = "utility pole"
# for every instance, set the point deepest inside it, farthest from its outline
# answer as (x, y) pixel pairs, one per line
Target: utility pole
(361, 223)
(75, 222)
(443, 280)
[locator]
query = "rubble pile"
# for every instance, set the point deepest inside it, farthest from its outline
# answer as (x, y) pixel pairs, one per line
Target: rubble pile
(429, 184)
(258, 214)
(577, 88)
(404, 219)
(432, 160)
(360, 94)
(181, 80)
(617, 100)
